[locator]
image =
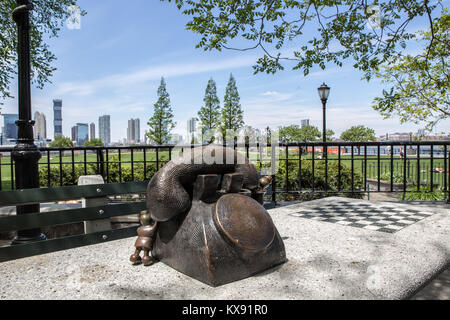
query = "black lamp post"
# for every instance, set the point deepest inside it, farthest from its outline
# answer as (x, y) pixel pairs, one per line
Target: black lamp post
(25, 154)
(324, 92)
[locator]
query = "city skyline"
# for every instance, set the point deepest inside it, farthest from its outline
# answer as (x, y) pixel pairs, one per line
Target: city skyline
(133, 129)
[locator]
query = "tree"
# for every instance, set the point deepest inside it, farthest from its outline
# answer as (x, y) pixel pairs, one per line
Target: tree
(295, 133)
(310, 133)
(94, 142)
(322, 31)
(329, 135)
(232, 114)
(420, 82)
(46, 20)
(161, 123)
(61, 142)
(209, 114)
(292, 133)
(358, 134)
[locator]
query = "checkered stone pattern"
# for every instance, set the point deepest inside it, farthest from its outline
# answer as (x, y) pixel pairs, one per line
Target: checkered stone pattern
(383, 218)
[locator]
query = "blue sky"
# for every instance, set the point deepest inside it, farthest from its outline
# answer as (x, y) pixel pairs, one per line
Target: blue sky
(113, 65)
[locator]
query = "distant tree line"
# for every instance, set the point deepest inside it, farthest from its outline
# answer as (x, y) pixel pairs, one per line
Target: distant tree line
(60, 142)
(309, 133)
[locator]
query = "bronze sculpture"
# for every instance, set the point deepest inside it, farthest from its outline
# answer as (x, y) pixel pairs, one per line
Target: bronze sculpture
(144, 242)
(211, 222)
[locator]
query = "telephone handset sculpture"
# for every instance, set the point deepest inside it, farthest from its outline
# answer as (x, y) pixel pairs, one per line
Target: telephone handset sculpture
(210, 226)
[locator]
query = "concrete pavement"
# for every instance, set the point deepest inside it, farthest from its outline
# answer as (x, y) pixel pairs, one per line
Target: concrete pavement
(326, 261)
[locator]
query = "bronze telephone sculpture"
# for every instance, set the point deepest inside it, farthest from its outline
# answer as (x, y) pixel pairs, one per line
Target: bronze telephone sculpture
(209, 225)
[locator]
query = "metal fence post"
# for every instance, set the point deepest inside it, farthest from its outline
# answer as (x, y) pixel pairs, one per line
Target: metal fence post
(274, 175)
(101, 161)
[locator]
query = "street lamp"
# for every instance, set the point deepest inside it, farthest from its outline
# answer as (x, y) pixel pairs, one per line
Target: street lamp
(324, 92)
(25, 154)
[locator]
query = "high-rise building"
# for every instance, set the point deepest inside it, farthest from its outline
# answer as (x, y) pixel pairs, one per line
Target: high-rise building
(9, 126)
(175, 138)
(74, 133)
(104, 129)
(82, 133)
(421, 132)
(133, 131)
(305, 122)
(138, 130)
(57, 117)
(40, 126)
(92, 131)
(191, 126)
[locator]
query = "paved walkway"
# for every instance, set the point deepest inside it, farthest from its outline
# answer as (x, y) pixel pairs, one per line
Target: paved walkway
(382, 196)
(327, 260)
(438, 289)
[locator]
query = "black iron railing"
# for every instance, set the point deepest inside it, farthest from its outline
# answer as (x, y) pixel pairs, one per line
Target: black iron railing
(347, 167)
(366, 167)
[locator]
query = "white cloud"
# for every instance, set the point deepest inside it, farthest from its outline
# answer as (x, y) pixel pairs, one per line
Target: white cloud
(124, 80)
(270, 93)
(277, 96)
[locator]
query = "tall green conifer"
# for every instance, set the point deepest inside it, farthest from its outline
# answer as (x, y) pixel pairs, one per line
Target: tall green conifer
(209, 114)
(161, 123)
(232, 114)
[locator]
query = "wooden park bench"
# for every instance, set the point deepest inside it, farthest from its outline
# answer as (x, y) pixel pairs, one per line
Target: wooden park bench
(91, 213)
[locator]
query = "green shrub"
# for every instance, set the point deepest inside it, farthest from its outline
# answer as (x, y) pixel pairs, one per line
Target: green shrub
(112, 170)
(397, 177)
(127, 174)
(436, 195)
(68, 177)
(320, 183)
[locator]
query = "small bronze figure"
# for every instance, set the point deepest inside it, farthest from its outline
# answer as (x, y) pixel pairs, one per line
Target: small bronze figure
(146, 234)
(264, 182)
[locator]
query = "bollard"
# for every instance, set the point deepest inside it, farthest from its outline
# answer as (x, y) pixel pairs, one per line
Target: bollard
(98, 224)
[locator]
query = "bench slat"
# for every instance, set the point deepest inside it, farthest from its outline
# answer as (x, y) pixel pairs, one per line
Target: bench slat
(35, 220)
(24, 196)
(30, 249)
